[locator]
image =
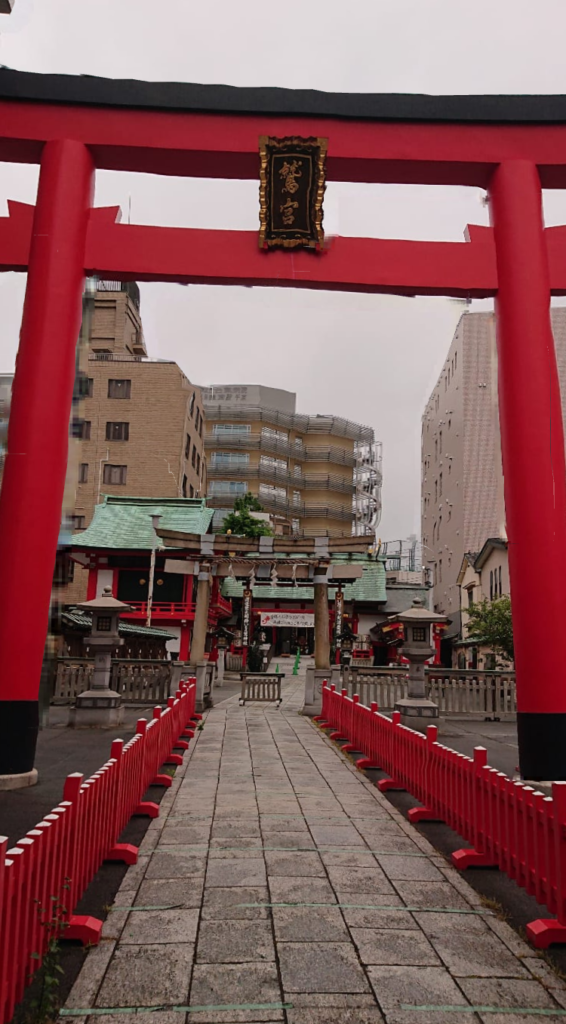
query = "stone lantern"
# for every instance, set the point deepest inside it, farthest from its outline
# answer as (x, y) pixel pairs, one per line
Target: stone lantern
(417, 711)
(101, 707)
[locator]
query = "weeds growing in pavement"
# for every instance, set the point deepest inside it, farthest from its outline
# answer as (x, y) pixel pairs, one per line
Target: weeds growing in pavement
(53, 920)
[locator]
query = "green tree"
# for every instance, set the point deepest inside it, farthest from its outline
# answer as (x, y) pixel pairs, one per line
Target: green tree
(241, 523)
(490, 624)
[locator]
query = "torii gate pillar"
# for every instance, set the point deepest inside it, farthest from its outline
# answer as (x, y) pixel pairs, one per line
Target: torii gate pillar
(532, 444)
(38, 441)
(198, 643)
(322, 670)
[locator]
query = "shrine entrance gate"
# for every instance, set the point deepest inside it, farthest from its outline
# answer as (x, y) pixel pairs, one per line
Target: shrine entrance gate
(512, 146)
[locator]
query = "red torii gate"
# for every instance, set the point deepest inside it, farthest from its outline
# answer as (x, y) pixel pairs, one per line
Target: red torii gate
(511, 146)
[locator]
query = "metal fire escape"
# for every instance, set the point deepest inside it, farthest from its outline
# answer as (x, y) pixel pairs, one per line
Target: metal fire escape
(367, 493)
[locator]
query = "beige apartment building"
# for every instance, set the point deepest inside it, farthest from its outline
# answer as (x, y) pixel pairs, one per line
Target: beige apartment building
(321, 473)
(140, 421)
(462, 501)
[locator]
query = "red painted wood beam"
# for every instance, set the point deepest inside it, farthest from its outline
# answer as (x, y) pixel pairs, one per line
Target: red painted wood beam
(188, 255)
(348, 264)
(226, 145)
(15, 236)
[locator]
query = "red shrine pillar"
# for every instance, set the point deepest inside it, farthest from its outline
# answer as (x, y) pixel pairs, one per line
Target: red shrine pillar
(38, 439)
(532, 441)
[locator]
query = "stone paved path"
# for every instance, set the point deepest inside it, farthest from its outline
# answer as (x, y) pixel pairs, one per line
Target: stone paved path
(279, 885)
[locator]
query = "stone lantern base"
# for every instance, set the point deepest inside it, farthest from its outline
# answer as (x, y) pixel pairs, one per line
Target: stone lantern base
(418, 713)
(97, 709)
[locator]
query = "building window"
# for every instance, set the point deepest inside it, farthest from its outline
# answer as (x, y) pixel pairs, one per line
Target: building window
(470, 596)
(184, 486)
(270, 491)
(455, 360)
(440, 443)
(119, 389)
(228, 487)
(295, 526)
(192, 405)
(296, 498)
(500, 590)
(449, 468)
(198, 464)
(270, 434)
(80, 429)
(83, 473)
(270, 462)
(84, 387)
(191, 491)
(298, 442)
(79, 522)
(226, 429)
(64, 570)
(436, 490)
(200, 424)
(197, 419)
(440, 570)
(220, 459)
(491, 585)
(117, 431)
(194, 458)
(115, 474)
(436, 449)
(440, 486)
(297, 471)
(188, 446)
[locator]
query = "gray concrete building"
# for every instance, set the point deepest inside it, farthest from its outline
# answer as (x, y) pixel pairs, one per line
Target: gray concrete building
(462, 502)
(320, 474)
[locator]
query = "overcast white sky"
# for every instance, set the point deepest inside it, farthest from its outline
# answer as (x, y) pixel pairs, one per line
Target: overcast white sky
(373, 359)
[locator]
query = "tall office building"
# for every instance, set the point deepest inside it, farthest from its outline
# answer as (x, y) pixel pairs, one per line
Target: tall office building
(462, 501)
(322, 473)
(139, 421)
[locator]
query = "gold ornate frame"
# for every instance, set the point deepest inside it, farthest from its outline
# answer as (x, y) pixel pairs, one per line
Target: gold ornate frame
(316, 239)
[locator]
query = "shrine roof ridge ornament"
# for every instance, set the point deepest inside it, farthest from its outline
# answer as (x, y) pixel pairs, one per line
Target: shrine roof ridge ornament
(87, 90)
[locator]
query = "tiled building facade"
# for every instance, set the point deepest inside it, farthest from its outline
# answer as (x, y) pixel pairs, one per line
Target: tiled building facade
(140, 421)
(462, 500)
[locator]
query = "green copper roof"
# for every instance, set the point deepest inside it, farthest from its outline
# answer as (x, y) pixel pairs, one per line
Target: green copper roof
(125, 523)
(370, 586)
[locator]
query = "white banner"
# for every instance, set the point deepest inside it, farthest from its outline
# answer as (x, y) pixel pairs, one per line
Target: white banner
(298, 619)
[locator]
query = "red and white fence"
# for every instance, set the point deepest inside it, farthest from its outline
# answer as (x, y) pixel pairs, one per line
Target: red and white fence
(509, 825)
(45, 875)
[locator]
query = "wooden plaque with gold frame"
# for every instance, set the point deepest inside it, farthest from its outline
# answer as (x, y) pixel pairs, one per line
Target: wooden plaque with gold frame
(292, 183)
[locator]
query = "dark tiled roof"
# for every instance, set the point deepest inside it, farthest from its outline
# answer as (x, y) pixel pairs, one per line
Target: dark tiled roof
(82, 620)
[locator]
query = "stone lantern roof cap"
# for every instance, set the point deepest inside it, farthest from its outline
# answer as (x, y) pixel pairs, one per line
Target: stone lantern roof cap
(418, 613)
(105, 603)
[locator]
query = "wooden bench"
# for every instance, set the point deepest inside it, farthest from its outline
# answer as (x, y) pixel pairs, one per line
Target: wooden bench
(262, 687)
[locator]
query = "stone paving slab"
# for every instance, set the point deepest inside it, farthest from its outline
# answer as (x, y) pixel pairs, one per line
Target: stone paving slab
(278, 884)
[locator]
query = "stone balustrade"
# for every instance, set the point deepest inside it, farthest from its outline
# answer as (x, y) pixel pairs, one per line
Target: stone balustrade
(136, 680)
(456, 691)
